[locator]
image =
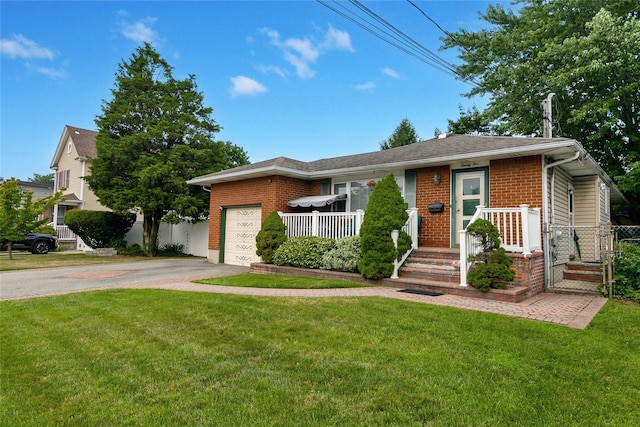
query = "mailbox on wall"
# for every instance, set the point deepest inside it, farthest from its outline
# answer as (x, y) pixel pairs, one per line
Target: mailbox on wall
(436, 207)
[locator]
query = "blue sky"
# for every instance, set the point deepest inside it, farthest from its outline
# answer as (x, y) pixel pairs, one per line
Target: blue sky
(287, 78)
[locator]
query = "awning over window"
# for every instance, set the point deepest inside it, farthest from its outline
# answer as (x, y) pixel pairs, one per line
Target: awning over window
(315, 201)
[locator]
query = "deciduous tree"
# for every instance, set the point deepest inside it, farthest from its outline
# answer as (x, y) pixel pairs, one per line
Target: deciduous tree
(587, 52)
(154, 135)
(19, 213)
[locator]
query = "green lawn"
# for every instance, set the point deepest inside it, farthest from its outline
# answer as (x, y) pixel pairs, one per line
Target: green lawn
(159, 358)
(24, 260)
(252, 280)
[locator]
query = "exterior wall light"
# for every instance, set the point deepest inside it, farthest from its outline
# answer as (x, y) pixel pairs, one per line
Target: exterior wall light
(436, 178)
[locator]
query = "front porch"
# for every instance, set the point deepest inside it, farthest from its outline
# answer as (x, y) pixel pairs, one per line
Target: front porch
(438, 270)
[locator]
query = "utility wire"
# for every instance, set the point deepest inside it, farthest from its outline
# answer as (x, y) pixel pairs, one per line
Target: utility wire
(366, 19)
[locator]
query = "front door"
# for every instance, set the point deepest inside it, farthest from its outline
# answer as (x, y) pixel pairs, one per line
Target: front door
(470, 191)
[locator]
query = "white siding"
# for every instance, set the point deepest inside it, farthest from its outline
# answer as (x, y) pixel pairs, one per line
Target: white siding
(586, 205)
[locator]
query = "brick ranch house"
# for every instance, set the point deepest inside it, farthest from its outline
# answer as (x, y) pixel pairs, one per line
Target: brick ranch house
(524, 185)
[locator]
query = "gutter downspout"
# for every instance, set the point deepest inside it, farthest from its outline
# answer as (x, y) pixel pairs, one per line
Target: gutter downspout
(545, 213)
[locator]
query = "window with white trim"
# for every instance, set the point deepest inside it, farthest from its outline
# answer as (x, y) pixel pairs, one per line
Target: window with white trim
(359, 191)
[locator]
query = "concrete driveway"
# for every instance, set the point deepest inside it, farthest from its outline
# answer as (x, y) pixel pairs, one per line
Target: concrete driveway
(48, 281)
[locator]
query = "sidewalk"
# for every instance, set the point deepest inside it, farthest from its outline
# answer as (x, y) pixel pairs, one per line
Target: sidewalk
(574, 311)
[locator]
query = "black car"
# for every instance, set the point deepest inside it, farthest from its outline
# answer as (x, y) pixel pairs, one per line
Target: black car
(33, 242)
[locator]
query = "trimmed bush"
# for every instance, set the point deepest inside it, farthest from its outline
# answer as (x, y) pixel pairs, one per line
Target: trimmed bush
(303, 251)
(133, 250)
(270, 237)
(345, 256)
(99, 228)
(491, 265)
(386, 211)
(627, 271)
(172, 250)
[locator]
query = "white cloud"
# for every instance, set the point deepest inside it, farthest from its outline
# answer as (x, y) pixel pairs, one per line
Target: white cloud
(242, 85)
(365, 86)
(336, 40)
(389, 72)
(272, 69)
(18, 46)
(138, 31)
(302, 53)
(51, 72)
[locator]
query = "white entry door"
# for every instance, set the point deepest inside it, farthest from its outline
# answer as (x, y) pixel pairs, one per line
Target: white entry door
(241, 227)
(470, 192)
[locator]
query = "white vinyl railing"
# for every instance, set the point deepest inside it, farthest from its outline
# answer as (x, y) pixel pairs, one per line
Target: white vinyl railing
(63, 232)
(519, 232)
(337, 225)
(334, 225)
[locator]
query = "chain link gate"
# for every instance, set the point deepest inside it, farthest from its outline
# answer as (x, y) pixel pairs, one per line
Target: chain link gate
(579, 258)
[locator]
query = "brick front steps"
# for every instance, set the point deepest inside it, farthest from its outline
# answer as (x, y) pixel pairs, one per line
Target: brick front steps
(429, 270)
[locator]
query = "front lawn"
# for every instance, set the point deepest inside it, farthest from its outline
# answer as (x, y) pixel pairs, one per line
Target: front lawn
(155, 357)
(25, 260)
(282, 282)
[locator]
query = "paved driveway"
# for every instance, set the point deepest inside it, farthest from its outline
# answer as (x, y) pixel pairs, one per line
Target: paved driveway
(47, 281)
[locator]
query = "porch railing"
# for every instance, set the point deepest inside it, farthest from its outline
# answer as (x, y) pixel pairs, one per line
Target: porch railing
(63, 232)
(337, 225)
(519, 232)
(334, 225)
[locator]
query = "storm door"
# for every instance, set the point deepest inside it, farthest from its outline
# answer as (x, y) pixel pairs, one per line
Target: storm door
(470, 190)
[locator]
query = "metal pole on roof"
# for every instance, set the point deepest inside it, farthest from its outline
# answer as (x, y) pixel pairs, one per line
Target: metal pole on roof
(547, 131)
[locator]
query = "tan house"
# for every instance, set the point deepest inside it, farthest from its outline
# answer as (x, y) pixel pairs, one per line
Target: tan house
(71, 162)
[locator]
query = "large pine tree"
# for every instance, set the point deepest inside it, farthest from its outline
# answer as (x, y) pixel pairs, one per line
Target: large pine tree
(153, 136)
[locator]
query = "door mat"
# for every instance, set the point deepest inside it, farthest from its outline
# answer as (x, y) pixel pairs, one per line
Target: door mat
(420, 292)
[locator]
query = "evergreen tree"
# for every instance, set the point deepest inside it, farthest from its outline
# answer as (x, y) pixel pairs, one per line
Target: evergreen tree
(270, 237)
(153, 136)
(404, 134)
(386, 211)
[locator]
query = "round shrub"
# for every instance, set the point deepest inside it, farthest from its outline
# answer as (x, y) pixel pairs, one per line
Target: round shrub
(270, 237)
(345, 256)
(491, 265)
(99, 228)
(303, 251)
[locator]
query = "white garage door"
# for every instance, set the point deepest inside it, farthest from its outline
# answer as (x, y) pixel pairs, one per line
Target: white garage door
(242, 226)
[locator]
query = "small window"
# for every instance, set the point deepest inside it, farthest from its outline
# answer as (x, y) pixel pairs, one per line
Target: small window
(69, 147)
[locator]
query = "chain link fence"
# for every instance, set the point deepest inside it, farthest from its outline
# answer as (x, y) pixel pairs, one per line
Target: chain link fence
(582, 257)
(577, 255)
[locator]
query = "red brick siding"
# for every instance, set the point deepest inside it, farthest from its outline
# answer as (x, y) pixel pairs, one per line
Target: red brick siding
(513, 182)
(529, 272)
(271, 193)
(435, 230)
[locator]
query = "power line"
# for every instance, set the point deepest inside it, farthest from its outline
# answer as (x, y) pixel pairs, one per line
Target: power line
(379, 27)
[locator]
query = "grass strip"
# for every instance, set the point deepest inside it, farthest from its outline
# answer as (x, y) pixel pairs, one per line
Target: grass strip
(277, 281)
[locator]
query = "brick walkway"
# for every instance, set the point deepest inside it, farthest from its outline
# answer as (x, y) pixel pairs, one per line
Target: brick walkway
(574, 311)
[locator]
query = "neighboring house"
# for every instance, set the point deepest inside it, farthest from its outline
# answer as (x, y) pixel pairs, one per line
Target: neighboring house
(71, 162)
(39, 191)
(452, 174)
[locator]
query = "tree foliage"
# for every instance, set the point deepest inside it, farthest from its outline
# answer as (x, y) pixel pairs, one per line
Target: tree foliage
(491, 264)
(99, 229)
(404, 134)
(386, 211)
(153, 136)
(19, 213)
(586, 52)
(270, 237)
(42, 179)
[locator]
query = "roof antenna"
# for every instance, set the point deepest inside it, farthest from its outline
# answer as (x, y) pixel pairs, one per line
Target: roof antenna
(547, 131)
